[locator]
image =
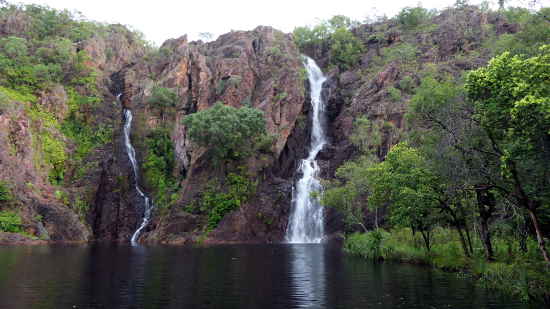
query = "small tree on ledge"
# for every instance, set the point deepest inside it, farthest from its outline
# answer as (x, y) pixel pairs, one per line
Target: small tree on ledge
(227, 132)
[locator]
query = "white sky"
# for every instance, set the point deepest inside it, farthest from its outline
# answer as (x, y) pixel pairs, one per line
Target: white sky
(163, 19)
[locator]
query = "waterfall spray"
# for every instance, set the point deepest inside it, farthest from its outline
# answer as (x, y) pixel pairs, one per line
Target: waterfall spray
(306, 224)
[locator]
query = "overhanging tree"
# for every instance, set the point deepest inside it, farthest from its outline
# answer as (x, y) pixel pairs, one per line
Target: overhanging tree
(512, 104)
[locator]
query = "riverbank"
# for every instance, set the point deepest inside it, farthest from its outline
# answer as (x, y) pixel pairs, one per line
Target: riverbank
(513, 272)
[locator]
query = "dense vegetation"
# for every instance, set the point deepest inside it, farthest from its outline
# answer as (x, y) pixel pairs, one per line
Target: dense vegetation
(228, 132)
(217, 202)
(467, 188)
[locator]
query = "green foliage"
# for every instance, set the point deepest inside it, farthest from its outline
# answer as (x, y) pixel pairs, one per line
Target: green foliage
(54, 155)
(405, 180)
(51, 146)
(5, 192)
(433, 96)
(528, 281)
(217, 203)
(10, 222)
(511, 101)
(349, 193)
(366, 245)
(403, 53)
(226, 130)
(407, 84)
(159, 166)
(534, 32)
(162, 99)
(395, 94)
(62, 196)
(512, 274)
(411, 17)
(345, 48)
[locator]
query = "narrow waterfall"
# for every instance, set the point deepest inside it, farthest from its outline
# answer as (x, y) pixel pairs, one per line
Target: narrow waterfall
(306, 223)
(132, 156)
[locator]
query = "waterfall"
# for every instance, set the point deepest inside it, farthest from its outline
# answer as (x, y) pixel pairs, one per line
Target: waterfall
(306, 220)
(132, 156)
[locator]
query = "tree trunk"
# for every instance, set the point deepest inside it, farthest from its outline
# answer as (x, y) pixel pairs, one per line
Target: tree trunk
(462, 240)
(486, 203)
(523, 235)
(485, 236)
(376, 217)
(467, 231)
(426, 237)
(540, 238)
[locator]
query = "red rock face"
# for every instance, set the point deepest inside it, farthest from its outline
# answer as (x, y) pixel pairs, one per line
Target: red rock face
(42, 213)
(259, 68)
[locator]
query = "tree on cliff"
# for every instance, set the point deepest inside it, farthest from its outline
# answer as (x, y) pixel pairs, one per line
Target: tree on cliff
(226, 131)
(163, 99)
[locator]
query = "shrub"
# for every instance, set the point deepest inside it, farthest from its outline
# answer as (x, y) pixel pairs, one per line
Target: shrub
(162, 99)
(407, 84)
(368, 245)
(5, 192)
(226, 130)
(218, 203)
(10, 222)
(345, 49)
(159, 166)
(395, 94)
(403, 53)
(410, 18)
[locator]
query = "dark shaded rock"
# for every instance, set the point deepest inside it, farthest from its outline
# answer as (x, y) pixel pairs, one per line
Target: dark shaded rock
(18, 239)
(62, 223)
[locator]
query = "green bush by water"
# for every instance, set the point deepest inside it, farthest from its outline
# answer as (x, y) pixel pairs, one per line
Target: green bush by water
(10, 222)
(520, 274)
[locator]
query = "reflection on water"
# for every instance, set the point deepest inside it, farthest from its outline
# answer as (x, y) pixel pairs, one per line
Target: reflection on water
(235, 276)
(307, 275)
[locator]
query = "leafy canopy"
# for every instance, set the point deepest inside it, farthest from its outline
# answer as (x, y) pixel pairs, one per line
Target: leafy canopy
(226, 130)
(512, 104)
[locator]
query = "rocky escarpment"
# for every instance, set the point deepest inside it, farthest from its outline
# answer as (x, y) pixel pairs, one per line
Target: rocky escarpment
(50, 177)
(44, 215)
(394, 60)
(260, 68)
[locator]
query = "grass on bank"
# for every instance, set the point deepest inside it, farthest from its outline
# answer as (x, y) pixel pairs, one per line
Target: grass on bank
(514, 272)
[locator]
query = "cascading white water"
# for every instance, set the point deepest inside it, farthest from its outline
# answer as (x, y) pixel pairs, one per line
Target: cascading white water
(132, 156)
(306, 223)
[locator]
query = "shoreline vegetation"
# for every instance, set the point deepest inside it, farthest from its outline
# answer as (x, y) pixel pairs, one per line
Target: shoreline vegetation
(513, 272)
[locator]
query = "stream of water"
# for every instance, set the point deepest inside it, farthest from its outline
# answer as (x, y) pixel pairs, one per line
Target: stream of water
(306, 223)
(148, 205)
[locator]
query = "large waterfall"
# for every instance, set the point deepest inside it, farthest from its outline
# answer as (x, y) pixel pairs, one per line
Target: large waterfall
(306, 223)
(148, 205)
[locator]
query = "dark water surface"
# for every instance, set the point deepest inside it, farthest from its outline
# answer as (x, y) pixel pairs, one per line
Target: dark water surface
(229, 276)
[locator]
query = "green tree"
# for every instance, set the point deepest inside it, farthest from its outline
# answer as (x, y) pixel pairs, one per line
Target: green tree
(456, 149)
(411, 17)
(512, 104)
(405, 181)
(163, 99)
(345, 48)
(348, 194)
(225, 130)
